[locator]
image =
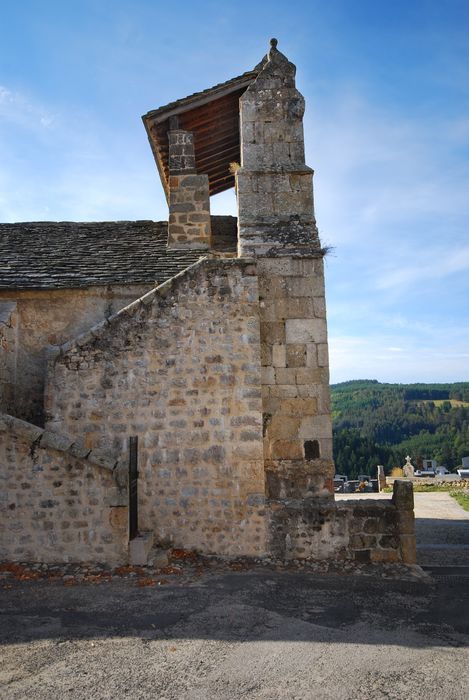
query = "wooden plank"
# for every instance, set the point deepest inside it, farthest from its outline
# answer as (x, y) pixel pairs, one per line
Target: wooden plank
(219, 138)
(216, 189)
(192, 121)
(224, 157)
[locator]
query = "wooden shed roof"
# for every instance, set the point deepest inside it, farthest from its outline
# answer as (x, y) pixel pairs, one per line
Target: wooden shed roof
(213, 117)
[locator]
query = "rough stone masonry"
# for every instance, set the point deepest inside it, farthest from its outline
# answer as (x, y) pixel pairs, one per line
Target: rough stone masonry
(221, 370)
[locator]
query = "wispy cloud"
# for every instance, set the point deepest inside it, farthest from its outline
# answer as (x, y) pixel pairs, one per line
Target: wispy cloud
(420, 359)
(18, 108)
(379, 168)
(437, 264)
(87, 170)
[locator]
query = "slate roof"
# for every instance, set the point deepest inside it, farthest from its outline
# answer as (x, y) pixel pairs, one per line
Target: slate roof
(64, 254)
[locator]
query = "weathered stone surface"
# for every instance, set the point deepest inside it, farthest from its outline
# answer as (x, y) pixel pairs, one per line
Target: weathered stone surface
(8, 354)
(275, 196)
(276, 224)
(61, 278)
(54, 506)
(321, 529)
(300, 330)
(408, 549)
(180, 372)
(55, 441)
(140, 549)
(403, 494)
(189, 202)
(20, 428)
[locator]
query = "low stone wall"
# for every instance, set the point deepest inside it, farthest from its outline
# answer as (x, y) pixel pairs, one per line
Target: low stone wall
(361, 530)
(298, 479)
(60, 502)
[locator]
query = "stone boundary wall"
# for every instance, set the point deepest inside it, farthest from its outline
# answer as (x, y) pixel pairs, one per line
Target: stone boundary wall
(181, 369)
(60, 501)
(364, 531)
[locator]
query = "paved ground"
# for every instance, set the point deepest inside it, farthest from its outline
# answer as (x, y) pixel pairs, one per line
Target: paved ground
(207, 631)
(262, 634)
(442, 529)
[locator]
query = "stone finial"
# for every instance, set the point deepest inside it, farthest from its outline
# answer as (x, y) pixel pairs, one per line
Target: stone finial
(274, 57)
(278, 64)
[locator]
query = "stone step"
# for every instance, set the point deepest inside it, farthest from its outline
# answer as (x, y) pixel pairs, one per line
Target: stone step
(140, 549)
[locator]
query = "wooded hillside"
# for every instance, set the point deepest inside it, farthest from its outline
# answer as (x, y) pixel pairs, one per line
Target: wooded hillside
(381, 423)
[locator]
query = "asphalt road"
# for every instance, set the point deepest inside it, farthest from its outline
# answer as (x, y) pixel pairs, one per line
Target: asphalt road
(261, 634)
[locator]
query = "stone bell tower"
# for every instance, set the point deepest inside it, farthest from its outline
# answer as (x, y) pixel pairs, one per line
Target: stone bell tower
(276, 225)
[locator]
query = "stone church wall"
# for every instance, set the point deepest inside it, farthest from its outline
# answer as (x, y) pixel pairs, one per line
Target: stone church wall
(43, 318)
(59, 502)
(8, 353)
(180, 368)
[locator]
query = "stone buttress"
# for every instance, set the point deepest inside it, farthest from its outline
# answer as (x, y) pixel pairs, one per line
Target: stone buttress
(276, 225)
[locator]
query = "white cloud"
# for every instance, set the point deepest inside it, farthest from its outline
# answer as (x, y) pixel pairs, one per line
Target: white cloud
(427, 265)
(418, 360)
(377, 169)
(16, 107)
(70, 166)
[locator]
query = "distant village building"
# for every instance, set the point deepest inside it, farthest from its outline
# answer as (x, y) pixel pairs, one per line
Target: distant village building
(203, 339)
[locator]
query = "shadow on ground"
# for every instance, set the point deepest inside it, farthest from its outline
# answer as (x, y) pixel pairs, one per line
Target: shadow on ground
(242, 606)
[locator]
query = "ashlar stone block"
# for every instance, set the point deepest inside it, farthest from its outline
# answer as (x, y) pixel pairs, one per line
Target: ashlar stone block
(305, 330)
(278, 355)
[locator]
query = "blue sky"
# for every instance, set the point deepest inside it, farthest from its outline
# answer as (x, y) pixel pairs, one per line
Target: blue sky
(386, 128)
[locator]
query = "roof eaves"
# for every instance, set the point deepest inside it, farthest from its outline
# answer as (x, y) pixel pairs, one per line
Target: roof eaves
(199, 98)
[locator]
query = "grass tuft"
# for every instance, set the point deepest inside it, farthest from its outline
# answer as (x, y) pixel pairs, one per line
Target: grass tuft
(461, 498)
